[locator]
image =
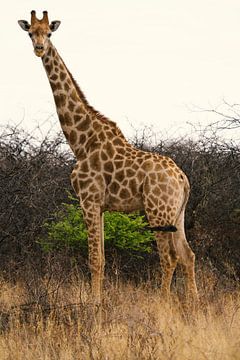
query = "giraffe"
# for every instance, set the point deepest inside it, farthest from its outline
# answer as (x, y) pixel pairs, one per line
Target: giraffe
(110, 174)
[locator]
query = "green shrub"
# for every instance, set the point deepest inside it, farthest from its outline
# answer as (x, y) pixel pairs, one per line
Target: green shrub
(121, 231)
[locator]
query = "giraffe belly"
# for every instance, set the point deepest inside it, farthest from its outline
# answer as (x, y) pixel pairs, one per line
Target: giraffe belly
(126, 207)
(127, 203)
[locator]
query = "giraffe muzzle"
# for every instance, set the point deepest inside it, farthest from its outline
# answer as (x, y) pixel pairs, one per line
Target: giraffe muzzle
(39, 47)
(39, 50)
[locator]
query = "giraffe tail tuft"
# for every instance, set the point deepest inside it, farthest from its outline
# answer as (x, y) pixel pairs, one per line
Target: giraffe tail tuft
(167, 228)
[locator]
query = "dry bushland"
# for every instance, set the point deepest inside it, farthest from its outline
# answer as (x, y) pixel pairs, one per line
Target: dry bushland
(34, 182)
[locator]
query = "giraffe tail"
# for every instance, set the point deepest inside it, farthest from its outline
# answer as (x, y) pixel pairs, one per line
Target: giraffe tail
(167, 228)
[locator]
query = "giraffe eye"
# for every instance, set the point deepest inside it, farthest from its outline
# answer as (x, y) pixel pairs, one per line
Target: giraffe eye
(30, 34)
(49, 35)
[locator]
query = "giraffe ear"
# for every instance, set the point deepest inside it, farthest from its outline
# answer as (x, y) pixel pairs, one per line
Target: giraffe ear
(24, 25)
(55, 25)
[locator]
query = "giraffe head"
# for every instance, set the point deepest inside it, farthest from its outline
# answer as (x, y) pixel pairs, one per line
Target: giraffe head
(39, 31)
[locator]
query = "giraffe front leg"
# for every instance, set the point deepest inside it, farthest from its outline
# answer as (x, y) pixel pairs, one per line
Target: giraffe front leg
(168, 260)
(94, 221)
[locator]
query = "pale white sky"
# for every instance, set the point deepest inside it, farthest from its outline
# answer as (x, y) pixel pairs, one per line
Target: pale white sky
(143, 62)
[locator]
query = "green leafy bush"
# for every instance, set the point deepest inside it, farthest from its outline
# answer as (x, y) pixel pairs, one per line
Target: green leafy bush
(121, 231)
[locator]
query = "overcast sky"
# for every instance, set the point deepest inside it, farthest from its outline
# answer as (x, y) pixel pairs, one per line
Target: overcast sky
(139, 62)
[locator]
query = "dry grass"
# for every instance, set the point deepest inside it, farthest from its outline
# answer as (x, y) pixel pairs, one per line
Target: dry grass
(53, 320)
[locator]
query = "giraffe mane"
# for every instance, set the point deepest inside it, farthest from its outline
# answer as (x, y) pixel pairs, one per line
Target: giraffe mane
(99, 115)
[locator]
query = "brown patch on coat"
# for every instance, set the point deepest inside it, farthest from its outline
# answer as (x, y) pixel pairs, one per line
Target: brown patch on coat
(49, 68)
(80, 110)
(71, 104)
(54, 77)
(147, 187)
(80, 153)
(118, 142)
(170, 172)
(73, 137)
(84, 183)
(133, 186)
(84, 124)
(121, 151)
(68, 119)
(82, 138)
(140, 175)
(156, 191)
(49, 51)
(84, 166)
(92, 143)
(74, 96)
(108, 178)
(102, 136)
(103, 156)
(62, 76)
(97, 126)
(53, 52)
(109, 149)
(58, 86)
(158, 167)
(120, 175)
(93, 188)
(165, 163)
(147, 165)
(124, 194)
(77, 118)
(109, 135)
(114, 187)
(99, 179)
(130, 173)
(108, 166)
(95, 163)
(60, 100)
(128, 163)
(162, 187)
(118, 164)
(66, 87)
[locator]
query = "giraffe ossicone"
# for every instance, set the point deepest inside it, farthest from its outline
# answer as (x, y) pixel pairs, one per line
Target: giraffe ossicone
(110, 174)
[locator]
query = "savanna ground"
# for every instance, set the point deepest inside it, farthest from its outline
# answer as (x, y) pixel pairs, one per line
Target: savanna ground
(54, 319)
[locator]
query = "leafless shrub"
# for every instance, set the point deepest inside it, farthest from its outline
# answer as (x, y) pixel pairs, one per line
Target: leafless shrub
(33, 183)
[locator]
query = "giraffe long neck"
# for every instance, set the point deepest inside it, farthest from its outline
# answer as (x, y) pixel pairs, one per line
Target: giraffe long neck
(81, 124)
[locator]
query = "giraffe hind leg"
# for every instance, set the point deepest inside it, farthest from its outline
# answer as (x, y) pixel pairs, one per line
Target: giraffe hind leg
(173, 249)
(163, 225)
(186, 258)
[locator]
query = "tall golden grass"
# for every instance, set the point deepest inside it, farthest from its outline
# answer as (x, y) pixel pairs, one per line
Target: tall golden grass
(52, 320)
